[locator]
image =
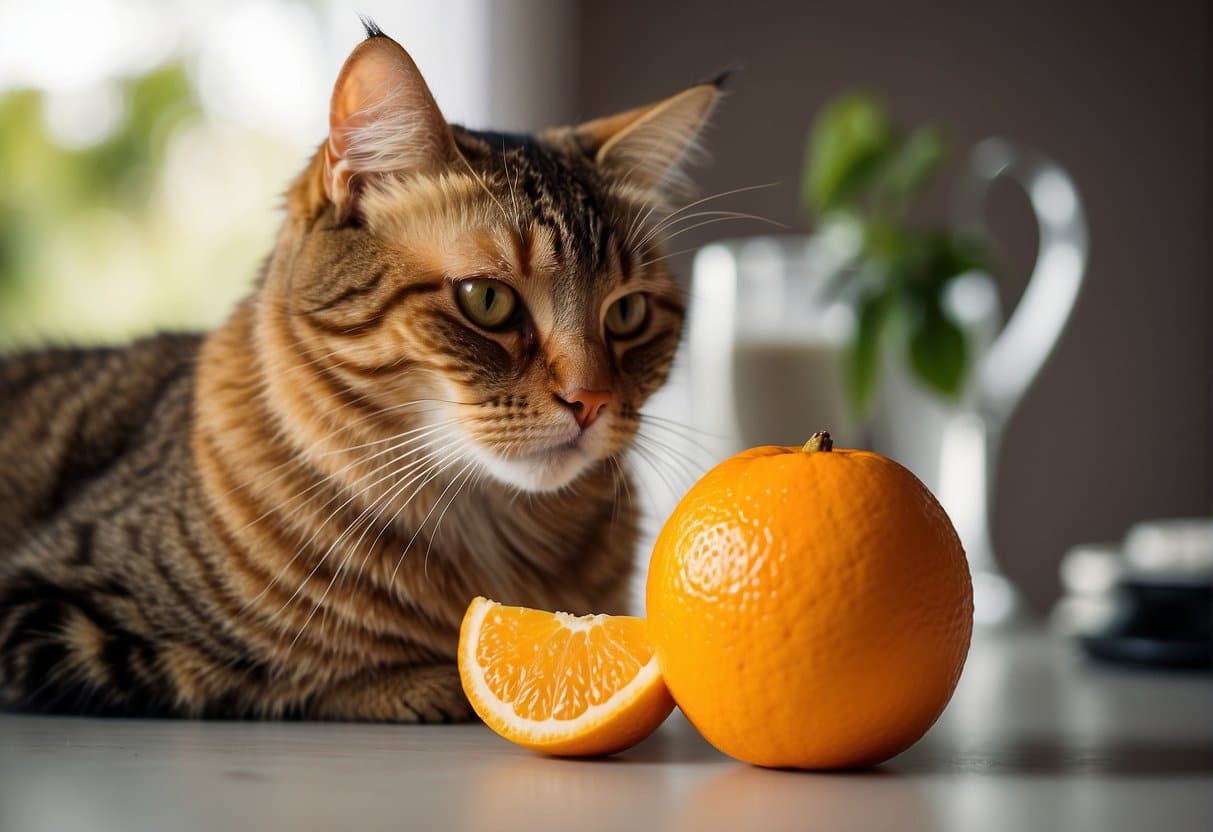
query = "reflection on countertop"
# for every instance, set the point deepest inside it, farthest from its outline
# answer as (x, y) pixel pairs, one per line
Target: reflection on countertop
(1036, 738)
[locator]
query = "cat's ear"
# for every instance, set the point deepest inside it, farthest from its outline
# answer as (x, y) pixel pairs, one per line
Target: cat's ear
(382, 121)
(649, 146)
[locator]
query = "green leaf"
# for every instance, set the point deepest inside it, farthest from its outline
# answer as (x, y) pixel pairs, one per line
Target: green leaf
(927, 260)
(850, 140)
(887, 249)
(965, 254)
(912, 166)
(861, 360)
(938, 351)
(123, 166)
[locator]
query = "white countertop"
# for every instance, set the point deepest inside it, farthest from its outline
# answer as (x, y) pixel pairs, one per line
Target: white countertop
(1035, 739)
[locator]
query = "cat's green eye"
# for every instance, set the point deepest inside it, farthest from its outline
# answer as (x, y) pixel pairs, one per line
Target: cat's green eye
(628, 315)
(486, 302)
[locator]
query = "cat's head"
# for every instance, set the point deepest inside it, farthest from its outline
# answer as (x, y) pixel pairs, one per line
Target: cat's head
(508, 287)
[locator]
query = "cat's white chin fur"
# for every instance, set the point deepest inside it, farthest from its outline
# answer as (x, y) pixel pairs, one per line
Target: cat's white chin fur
(549, 471)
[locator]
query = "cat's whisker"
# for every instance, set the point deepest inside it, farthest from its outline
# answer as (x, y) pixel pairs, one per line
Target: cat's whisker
(647, 456)
(348, 425)
(715, 196)
(384, 503)
(391, 522)
(669, 479)
(677, 433)
(278, 578)
(620, 488)
(664, 257)
(633, 195)
(679, 232)
(421, 526)
(652, 417)
(615, 491)
(642, 483)
(470, 468)
(415, 437)
(322, 480)
(711, 221)
(631, 218)
(298, 340)
(402, 435)
(730, 192)
(391, 494)
(680, 462)
(654, 260)
(508, 448)
(505, 160)
(480, 179)
(322, 525)
(307, 357)
(637, 225)
(672, 227)
(311, 359)
(350, 552)
(623, 476)
(689, 470)
(351, 424)
(571, 488)
(334, 479)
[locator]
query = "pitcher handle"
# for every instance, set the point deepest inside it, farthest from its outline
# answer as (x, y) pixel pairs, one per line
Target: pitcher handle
(1021, 349)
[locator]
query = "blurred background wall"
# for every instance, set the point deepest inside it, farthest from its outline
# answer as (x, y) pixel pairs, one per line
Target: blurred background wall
(144, 146)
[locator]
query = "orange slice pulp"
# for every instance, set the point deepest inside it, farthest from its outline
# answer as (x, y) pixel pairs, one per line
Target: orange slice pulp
(559, 683)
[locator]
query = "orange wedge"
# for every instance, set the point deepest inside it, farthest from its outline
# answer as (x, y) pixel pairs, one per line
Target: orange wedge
(559, 683)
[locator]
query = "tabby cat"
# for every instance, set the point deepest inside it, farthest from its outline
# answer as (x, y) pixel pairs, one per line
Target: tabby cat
(425, 398)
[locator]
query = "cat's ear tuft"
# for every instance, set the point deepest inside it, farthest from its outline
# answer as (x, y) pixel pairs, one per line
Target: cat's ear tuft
(383, 121)
(371, 27)
(720, 79)
(648, 147)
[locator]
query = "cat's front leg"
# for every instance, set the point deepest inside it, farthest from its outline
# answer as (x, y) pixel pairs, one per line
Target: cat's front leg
(421, 693)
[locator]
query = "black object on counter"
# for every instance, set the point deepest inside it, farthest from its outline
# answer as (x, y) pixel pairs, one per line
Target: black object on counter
(1157, 624)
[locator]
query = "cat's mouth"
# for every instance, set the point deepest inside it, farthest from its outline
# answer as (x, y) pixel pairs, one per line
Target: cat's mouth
(574, 444)
(564, 440)
(574, 447)
(544, 466)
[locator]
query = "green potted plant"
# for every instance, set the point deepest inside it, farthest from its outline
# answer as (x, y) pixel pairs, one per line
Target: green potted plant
(862, 175)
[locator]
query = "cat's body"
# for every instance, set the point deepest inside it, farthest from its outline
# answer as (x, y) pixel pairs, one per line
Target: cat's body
(289, 516)
(129, 587)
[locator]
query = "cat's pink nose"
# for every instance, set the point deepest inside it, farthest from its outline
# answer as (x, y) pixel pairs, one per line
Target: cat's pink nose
(585, 404)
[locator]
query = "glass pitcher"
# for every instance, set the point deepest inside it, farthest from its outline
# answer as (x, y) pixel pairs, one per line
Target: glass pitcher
(765, 337)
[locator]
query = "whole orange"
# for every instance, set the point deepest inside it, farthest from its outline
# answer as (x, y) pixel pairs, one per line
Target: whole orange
(810, 607)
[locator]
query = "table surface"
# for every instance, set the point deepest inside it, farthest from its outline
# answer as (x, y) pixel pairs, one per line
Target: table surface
(1036, 738)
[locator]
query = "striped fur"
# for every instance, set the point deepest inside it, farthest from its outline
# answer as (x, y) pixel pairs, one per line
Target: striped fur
(288, 516)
